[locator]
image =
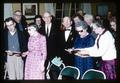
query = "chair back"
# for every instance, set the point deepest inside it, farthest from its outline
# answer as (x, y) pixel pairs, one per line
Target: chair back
(69, 72)
(54, 67)
(93, 74)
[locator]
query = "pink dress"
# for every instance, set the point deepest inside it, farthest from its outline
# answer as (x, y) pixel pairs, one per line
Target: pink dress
(37, 52)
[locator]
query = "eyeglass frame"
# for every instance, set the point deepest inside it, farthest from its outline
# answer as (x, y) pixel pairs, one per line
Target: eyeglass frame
(80, 31)
(17, 15)
(10, 25)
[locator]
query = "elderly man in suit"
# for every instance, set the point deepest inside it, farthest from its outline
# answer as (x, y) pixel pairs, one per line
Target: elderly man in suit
(67, 38)
(51, 33)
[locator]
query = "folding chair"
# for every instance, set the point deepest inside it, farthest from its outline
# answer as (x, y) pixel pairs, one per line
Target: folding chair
(93, 74)
(56, 65)
(69, 72)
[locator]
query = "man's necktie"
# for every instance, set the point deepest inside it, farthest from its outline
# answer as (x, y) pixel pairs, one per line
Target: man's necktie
(47, 31)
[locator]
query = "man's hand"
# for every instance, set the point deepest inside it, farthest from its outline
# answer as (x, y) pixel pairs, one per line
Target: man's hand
(9, 52)
(69, 50)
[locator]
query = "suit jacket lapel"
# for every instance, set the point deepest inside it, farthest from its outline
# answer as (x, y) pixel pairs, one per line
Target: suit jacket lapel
(70, 35)
(50, 31)
(63, 36)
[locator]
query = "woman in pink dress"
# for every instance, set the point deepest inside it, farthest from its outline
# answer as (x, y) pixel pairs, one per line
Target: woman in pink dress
(36, 55)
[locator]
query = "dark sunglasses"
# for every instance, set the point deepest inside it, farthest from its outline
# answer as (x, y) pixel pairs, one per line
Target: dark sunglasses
(80, 31)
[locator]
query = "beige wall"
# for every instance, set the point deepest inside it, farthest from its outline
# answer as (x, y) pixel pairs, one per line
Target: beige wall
(16, 6)
(30, 21)
(41, 8)
(94, 9)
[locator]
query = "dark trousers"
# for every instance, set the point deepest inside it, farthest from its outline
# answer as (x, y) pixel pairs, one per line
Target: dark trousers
(68, 59)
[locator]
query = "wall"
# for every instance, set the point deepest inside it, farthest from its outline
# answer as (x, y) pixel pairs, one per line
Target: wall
(8, 10)
(94, 9)
(41, 8)
(16, 6)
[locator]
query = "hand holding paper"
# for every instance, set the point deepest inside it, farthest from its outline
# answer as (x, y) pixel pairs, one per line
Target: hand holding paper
(12, 52)
(69, 50)
(82, 53)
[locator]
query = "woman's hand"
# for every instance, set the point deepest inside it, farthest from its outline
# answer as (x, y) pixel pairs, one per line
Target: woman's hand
(82, 53)
(24, 54)
(69, 50)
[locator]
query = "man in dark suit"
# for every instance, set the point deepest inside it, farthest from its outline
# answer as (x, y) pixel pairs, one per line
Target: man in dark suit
(20, 19)
(50, 31)
(67, 40)
(21, 22)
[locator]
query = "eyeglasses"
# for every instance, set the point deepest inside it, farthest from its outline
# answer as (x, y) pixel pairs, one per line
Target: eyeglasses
(80, 31)
(17, 15)
(46, 17)
(10, 25)
(29, 29)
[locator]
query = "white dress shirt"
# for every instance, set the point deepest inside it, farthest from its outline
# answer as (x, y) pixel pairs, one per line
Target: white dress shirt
(67, 33)
(106, 48)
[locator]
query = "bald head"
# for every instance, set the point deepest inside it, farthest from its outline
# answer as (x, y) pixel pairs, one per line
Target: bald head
(47, 17)
(47, 14)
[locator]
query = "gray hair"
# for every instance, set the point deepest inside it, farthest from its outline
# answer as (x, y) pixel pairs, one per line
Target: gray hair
(81, 23)
(97, 24)
(88, 16)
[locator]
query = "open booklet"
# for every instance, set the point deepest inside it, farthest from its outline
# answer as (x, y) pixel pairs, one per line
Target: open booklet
(14, 52)
(76, 51)
(73, 50)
